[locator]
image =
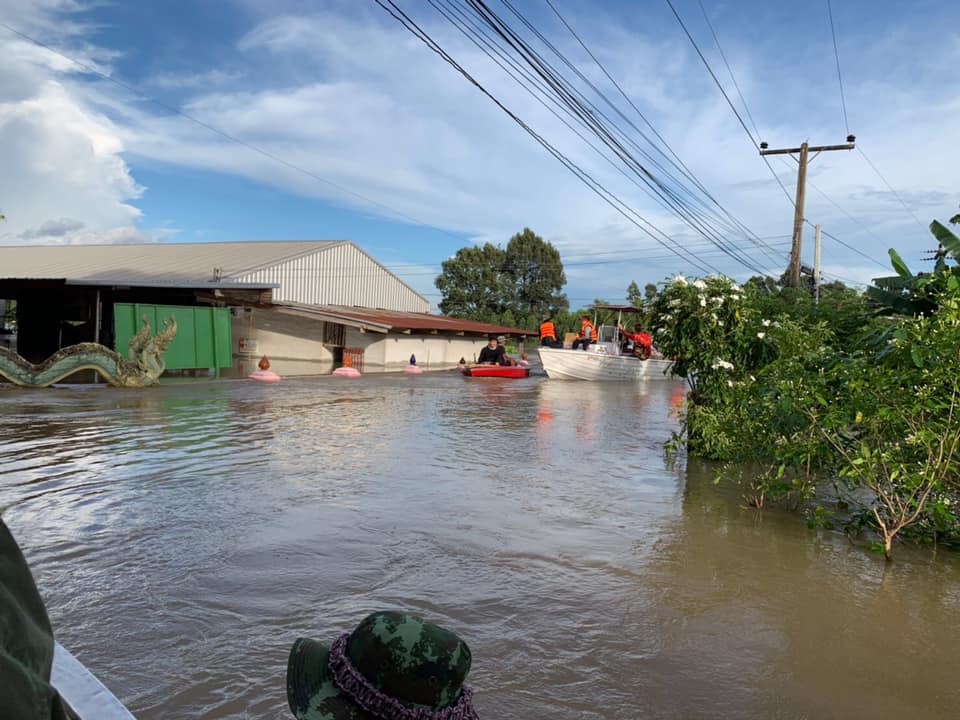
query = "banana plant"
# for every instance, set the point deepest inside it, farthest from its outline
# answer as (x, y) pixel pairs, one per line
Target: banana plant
(912, 294)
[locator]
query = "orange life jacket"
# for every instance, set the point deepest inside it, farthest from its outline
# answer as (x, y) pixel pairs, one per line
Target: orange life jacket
(547, 330)
(583, 330)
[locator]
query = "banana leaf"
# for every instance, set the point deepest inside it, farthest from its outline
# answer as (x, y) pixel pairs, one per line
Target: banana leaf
(899, 265)
(946, 238)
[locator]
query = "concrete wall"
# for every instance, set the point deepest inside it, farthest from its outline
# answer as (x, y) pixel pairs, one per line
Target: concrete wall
(295, 346)
(393, 351)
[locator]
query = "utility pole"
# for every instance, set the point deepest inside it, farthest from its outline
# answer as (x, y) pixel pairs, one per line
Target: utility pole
(816, 268)
(793, 272)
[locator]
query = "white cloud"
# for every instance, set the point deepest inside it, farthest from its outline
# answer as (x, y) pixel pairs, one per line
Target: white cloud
(195, 81)
(64, 176)
(349, 96)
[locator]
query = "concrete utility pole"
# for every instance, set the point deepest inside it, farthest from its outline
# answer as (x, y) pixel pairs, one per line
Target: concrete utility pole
(793, 272)
(816, 268)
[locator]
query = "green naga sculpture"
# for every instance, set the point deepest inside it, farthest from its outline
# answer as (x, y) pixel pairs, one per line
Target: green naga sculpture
(145, 363)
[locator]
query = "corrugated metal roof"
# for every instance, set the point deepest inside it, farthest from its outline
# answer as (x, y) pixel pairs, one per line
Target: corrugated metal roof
(182, 264)
(386, 320)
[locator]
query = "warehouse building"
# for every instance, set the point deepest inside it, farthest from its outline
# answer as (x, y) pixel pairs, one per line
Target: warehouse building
(306, 305)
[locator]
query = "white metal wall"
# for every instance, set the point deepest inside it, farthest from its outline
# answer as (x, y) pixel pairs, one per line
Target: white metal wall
(339, 275)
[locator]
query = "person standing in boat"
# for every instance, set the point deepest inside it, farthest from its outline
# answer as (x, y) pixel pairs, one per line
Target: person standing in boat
(548, 334)
(588, 334)
(642, 342)
(493, 353)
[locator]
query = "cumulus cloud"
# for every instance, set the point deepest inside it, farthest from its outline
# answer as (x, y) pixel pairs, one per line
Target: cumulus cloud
(348, 107)
(64, 176)
(397, 126)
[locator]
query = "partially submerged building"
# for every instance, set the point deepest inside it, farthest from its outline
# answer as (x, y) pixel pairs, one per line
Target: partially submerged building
(306, 305)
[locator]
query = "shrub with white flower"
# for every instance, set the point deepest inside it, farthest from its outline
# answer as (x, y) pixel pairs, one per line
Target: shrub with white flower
(707, 325)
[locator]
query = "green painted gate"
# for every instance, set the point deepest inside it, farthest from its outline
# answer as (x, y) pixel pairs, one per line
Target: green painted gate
(203, 333)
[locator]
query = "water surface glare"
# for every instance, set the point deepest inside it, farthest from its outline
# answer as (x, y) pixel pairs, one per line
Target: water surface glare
(184, 536)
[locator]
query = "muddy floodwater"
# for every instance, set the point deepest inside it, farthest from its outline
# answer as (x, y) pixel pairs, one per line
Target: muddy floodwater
(184, 536)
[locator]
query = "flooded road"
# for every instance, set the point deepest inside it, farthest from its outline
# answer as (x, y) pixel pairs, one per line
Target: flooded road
(184, 536)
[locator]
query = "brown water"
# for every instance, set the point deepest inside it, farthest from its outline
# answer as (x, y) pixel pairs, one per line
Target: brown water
(184, 537)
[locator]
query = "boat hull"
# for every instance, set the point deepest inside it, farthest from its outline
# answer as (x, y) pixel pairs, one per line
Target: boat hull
(562, 364)
(496, 371)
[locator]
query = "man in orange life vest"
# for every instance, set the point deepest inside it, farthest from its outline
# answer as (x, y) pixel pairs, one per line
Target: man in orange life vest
(642, 342)
(588, 333)
(548, 334)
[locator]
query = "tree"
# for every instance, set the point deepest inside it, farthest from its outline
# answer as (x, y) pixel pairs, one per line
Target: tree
(650, 291)
(473, 283)
(633, 294)
(535, 274)
(521, 284)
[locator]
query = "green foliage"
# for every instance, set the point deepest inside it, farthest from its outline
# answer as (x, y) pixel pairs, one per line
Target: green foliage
(899, 265)
(909, 294)
(535, 276)
(514, 287)
(633, 294)
(473, 283)
(792, 395)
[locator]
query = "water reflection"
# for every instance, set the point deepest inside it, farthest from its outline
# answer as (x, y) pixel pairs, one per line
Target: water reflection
(185, 536)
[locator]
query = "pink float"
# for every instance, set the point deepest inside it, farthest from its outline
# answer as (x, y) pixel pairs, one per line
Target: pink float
(347, 372)
(412, 368)
(264, 374)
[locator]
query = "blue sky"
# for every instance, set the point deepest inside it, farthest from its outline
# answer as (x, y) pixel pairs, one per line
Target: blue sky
(414, 163)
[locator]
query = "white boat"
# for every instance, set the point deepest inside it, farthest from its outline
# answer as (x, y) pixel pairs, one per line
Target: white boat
(605, 359)
(84, 693)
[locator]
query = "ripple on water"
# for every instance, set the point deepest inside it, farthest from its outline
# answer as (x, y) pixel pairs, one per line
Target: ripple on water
(184, 536)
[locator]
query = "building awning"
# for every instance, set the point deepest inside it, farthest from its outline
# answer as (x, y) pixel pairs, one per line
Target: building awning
(384, 321)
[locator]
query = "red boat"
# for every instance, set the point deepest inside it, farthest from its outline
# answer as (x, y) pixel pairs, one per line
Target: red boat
(499, 371)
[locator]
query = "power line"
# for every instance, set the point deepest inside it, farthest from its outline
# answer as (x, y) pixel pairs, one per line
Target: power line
(895, 193)
(712, 74)
(626, 97)
(225, 135)
(729, 70)
(836, 54)
(850, 247)
(753, 141)
(610, 198)
(575, 102)
(483, 41)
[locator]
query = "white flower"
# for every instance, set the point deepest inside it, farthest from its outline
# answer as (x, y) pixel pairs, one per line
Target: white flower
(761, 335)
(703, 302)
(718, 363)
(766, 323)
(679, 280)
(699, 284)
(729, 383)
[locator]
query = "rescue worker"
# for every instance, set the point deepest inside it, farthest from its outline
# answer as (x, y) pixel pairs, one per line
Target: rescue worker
(588, 334)
(548, 334)
(642, 342)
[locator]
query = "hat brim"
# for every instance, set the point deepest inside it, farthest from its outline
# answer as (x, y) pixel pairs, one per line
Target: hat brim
(311, 690)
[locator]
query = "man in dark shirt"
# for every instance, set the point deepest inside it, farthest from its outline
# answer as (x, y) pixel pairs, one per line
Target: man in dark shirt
(493, 353)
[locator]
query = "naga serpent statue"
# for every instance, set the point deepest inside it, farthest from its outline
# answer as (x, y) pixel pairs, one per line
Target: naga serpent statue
(145, 363)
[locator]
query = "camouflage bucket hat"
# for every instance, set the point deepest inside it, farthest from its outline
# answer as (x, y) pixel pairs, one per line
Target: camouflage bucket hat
(393, 666)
